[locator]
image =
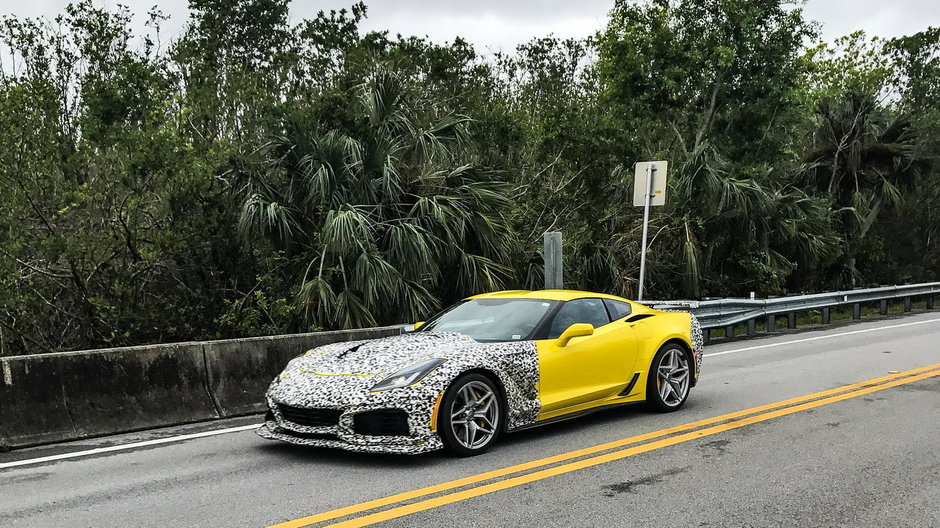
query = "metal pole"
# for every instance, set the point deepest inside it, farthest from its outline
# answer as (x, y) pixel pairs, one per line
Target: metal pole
(646, 221)
(553, 260)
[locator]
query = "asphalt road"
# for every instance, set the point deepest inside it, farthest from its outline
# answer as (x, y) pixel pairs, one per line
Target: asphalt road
(858, 455)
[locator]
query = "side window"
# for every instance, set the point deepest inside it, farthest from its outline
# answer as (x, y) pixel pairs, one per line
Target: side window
(617, 309)
(589, 311)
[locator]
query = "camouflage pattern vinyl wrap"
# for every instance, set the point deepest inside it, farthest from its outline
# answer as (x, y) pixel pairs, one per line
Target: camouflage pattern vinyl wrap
(339, 377)
(698, 344)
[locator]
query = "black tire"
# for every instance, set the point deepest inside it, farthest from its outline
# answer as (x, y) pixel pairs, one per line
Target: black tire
(454, 432)
(675, 358)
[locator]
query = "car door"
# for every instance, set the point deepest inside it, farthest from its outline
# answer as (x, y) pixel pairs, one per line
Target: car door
(588, 368)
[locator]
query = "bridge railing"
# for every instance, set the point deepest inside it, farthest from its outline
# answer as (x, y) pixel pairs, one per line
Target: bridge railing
(727, 313)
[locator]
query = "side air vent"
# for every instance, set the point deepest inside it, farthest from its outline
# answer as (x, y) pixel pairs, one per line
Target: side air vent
(629, 388)
(637, 317)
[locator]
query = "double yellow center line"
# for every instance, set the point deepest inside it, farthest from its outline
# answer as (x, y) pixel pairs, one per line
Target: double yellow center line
(663, 438)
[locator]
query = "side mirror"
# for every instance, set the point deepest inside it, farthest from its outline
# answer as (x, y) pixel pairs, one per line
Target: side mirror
(575, 330)
(418, 325)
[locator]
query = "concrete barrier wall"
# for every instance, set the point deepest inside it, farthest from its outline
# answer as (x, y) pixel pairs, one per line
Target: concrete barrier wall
(33, 409)
(48, 398)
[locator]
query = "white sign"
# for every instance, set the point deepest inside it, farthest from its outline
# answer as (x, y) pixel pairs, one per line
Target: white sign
(658, 187)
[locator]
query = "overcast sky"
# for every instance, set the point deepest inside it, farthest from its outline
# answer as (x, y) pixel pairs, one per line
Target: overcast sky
(502, 24)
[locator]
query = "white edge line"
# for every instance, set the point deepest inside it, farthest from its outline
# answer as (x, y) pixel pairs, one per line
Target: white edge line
(818, 338)
(123, 447)
(204, 434)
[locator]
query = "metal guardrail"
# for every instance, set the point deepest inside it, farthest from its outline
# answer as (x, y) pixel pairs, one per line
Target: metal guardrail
(726, 313)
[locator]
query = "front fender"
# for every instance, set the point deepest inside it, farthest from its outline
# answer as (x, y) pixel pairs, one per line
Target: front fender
(514, 365)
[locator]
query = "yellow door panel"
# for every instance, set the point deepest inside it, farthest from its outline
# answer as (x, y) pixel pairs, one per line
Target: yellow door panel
(636, 395)
(589, 368)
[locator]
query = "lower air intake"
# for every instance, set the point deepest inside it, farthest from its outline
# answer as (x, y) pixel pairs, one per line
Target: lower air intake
(382, 422)
(310, 417)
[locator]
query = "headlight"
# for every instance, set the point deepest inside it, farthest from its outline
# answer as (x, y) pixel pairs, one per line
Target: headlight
(408, 375)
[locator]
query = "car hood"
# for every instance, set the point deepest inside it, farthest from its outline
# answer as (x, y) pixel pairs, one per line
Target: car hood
(382, 356)
(342, 375)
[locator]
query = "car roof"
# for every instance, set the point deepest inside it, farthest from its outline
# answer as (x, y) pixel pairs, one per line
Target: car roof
(546, 295)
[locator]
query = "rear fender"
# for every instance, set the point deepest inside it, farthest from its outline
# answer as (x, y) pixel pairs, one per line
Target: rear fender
(664, 327)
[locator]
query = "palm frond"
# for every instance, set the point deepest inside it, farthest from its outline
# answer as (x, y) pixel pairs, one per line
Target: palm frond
(351, 312)
(317, 297)
(375, 278)
(410, 249)
(260, 216)
(347, 230)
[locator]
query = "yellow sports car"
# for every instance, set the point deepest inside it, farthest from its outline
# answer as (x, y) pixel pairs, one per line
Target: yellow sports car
(495, 362)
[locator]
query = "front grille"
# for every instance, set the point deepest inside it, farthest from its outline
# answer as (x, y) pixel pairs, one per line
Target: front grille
(382, 422)
(310, 417)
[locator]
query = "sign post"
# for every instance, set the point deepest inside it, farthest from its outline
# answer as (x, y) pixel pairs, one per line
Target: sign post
(553, 263)
(649, 189)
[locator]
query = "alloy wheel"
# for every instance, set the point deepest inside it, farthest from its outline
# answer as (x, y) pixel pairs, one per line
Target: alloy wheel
(672, 379)
(474, 415)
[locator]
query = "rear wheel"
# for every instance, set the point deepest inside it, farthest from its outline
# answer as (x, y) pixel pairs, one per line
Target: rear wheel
(667, 385)
(470, 418)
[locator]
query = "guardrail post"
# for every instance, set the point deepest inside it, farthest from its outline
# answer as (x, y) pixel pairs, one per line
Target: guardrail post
(930, 302)
(826, 313)
(791, 320)
(729, 331)
(706, 336)
(883, 307)
(751, 327)
(857, 311)
(772, 323)
(907, 304)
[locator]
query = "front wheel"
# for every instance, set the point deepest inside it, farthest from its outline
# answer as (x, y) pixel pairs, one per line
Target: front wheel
(667, 385)
(470, 418)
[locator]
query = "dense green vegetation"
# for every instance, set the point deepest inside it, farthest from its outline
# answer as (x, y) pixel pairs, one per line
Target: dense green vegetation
(251, 176)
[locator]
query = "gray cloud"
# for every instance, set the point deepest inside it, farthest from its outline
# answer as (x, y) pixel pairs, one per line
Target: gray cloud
(487, 23)
(876, 17)
(495, 24)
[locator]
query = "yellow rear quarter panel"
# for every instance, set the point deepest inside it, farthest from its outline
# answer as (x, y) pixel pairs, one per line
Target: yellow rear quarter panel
(654, 332)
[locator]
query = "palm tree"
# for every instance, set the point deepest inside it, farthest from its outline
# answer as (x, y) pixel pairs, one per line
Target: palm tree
(725, 228)
(389, 220)
(861, 159)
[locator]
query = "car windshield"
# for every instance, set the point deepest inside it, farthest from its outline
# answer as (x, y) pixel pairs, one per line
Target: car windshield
(492, 319)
